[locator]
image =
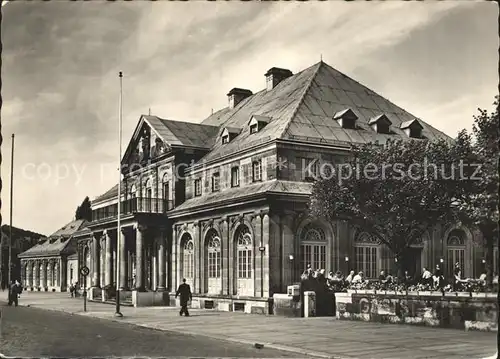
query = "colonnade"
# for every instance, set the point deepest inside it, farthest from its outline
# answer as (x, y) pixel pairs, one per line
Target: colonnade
(142, 253)
(42, 273)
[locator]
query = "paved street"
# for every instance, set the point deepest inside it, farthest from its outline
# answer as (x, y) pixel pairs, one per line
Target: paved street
(32, 332)
(325, 337)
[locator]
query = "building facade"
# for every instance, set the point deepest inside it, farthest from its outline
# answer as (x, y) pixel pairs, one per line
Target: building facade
(224, 203)
(44, 266)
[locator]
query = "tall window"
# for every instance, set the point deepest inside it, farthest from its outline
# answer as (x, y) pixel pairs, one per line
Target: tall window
(197, 187)
(215, 182)
(165, 190)
(366, 254)
(257, 171)
(213, 249)
(148, 194)
(495, 260)
(244, 252)
(133, 191)
(455, 251)
(188, 257)
(310, 168)
(313, 247)
(235, 177)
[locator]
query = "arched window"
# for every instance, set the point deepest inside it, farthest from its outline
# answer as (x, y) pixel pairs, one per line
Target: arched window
(244, 252)
(187, 257)
(313, 246)
(213, 254)
(455, 251)
(133, 191)
(366, 254)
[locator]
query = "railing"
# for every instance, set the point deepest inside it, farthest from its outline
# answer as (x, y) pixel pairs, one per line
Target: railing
(131, 206)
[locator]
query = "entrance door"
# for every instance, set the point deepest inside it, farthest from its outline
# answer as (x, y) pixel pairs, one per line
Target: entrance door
(413, 262)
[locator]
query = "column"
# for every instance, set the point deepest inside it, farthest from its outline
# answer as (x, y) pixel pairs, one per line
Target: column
(102, 256)
(96, 267)
(107, 261)
(43, 274)
(264, 255)
(257, 261)
(225, 254)
(139, 257)
(36, 274)
(161, 261)
(122, 259)
(198, 245)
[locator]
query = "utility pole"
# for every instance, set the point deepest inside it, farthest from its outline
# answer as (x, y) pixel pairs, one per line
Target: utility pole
(118, 225)
(11, 206)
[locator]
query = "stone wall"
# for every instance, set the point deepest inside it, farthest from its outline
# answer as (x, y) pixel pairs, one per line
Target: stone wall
(470, 311)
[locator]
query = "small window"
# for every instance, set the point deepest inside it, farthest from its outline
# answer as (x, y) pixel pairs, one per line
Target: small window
(197, 187)
(215, 182)
(253, 128)
(257, 171)
(235, 177)
(225, 139)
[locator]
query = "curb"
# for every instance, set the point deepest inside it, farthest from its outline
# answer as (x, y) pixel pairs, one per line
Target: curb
(286, 348)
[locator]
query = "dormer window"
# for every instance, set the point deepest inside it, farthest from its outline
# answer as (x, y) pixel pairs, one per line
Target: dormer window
(229, 133)
(380, 124)
(257, 123)
(413, 128)
(346, 119)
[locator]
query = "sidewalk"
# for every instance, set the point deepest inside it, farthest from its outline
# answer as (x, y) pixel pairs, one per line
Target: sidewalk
(322, 337)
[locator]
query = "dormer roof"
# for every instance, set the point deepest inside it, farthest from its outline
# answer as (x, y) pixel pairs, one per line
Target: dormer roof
(380, 119)
(259, 118)
(411, 123)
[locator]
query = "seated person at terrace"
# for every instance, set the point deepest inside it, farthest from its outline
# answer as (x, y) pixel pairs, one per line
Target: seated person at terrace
(382, 276)
(358, 278)
(426, 276)
(350, 277)
(458, 281)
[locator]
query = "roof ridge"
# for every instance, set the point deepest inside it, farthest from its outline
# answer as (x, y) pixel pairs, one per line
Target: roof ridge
(383, 97)
(301, 99)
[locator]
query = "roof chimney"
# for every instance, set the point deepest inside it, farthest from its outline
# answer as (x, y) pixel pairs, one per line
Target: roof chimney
(275, 75)
(236, 95)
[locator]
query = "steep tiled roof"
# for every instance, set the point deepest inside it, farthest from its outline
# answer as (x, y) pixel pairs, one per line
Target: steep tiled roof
(183, 133)
(302, 107)
(56, 243)
(271, 187)
(110, 193)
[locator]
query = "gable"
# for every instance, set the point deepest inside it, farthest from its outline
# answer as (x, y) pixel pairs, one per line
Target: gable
(145, 144)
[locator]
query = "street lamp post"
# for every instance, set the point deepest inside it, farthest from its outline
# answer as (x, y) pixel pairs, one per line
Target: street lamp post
(118, 226)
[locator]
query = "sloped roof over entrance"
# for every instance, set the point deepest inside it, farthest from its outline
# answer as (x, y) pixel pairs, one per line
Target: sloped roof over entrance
(57, 243)
(303, 106)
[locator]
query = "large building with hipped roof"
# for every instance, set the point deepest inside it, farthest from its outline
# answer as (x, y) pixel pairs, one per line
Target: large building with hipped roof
(44, 267)
(223, 203)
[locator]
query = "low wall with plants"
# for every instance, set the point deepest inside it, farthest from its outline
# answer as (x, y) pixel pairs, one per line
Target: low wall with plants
(459, 310)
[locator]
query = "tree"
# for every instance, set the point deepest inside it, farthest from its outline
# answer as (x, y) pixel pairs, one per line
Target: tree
(394, 192)
(84, 211)
(479, 200)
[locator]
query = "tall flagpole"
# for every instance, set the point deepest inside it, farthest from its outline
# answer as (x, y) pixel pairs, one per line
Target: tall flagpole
(118, 227)
(11, 206)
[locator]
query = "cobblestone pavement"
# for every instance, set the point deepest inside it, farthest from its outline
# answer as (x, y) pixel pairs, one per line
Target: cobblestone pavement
(33, 332)
(326, 337)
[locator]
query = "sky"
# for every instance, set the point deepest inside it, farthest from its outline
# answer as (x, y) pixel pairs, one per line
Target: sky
(60, 64)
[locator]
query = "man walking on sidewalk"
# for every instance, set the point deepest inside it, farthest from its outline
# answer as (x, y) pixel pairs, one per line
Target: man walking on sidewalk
(184, 291)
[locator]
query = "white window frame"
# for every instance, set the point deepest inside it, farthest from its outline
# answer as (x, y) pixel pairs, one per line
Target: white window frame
(366, 255)
(257, 171)
(197, 187)
(216, 182)
(188, 259)
(214, 256)
(244, 254)
(313, 247)
(235, 176)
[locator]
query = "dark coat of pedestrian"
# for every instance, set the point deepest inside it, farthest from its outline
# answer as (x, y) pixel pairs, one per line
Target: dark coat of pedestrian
(14, 292)
(184, 291)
